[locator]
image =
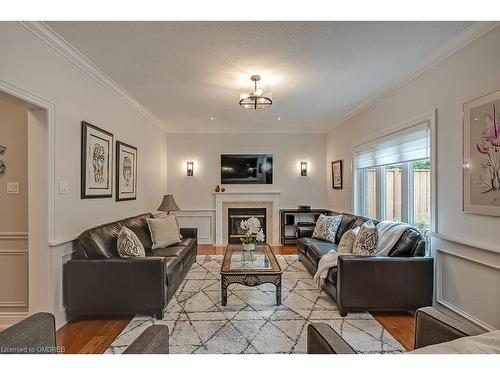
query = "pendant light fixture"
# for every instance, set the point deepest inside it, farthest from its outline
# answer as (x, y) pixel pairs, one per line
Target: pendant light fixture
(255, 100)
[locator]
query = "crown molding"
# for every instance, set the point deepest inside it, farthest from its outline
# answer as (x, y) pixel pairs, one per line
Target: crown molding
(467, 36)
(54, 40)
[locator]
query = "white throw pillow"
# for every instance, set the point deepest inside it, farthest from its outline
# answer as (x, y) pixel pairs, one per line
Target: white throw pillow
(164, 231)
(366, 240)
(326, 227)
(347, 241)
(129, 246)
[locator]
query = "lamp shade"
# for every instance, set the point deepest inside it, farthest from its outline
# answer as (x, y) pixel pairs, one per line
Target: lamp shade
(168, 204)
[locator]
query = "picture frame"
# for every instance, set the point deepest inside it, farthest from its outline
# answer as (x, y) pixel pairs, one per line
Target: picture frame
(337, 175)
(481, 155)
(126, 172)
(96, 162)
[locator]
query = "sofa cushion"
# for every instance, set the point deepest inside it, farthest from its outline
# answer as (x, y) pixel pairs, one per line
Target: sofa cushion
(316, 250)
(411, 243)
(170, 251)
(345, 224)
(101, 241)
(304, 242)
(486, 343)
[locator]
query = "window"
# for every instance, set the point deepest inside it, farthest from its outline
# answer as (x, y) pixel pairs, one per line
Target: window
(393, 177)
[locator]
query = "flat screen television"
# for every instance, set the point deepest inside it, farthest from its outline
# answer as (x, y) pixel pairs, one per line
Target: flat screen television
(246, 169)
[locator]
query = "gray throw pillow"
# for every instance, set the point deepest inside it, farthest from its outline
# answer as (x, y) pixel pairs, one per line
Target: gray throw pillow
(164, 231)
(129, 245)
(366, 240)
(326, 227)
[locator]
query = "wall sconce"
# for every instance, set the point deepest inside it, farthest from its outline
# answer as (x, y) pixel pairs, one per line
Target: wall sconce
(303, 168)
(190, 168)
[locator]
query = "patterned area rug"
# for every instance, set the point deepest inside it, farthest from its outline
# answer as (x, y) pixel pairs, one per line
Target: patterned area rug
(251, 322)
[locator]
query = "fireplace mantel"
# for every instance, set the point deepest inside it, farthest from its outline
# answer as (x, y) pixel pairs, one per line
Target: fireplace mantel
(269, 197)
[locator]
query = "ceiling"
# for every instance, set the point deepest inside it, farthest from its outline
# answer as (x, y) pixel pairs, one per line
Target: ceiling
(187, 72)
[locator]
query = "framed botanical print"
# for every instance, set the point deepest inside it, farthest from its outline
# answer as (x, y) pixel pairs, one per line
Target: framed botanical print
(96, 162)
(337, 174)
(481, 150)
(126, 172)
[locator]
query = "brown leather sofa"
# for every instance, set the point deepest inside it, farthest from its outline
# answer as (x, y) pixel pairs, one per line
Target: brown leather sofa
(431, 327)
(98, 282)
(401, 281)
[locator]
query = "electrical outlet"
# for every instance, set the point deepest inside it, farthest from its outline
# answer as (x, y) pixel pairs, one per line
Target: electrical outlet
(12, 187)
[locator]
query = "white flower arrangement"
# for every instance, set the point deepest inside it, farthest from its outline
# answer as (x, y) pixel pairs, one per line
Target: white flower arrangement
(254, 233)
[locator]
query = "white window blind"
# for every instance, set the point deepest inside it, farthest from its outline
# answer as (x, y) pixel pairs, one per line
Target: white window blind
(403, 146)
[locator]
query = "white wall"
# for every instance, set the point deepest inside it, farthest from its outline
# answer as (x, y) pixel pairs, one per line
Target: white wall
(195, 194)
(30, 64)
(469, 73)
(287, 149)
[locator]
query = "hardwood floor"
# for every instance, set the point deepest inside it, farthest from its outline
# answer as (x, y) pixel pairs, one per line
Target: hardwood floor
(94, 336)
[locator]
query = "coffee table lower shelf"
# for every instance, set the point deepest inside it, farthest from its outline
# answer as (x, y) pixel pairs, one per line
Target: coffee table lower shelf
(250, 280)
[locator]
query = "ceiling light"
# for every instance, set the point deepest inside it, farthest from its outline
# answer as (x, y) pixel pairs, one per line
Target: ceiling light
(256, 99)
(212, 118)
(279, 119)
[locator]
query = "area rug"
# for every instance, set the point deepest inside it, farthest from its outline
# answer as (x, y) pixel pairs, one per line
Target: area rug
(251, 322)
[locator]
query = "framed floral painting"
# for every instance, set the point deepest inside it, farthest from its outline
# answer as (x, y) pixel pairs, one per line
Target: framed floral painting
(126, 172)
(96, 162)
(481, 150)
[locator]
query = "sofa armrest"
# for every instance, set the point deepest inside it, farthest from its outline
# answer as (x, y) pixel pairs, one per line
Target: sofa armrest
(189, 232)
(33, 335)
(434, 327)
(304, 232)
(154, 340)
(322, 339)
(384, 283)
(115, 285)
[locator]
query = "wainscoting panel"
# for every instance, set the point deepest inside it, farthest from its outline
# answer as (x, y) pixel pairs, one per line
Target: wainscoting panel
(468, 282)
(203, 220)
(13, 275)
(13, 278)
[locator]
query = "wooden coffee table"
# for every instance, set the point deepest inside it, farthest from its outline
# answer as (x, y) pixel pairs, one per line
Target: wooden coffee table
(250, 268)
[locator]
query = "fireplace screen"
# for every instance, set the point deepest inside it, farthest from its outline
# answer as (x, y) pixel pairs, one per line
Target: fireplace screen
(237, 215)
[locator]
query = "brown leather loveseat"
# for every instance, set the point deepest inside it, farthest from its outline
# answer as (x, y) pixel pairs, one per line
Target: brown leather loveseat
(401, 281)
(98, 282)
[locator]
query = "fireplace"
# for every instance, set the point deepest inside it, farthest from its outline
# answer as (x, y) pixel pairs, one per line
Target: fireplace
(237, 215)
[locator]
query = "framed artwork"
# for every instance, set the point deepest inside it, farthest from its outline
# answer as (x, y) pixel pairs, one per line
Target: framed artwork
(481, 151)
(97, 162)
(337, 174)
(126, 172)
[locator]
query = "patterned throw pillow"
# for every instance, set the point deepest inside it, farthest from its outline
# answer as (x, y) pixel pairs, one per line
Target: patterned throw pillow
(347, 241)
(326, 227)
(129, 245)
(366, 240)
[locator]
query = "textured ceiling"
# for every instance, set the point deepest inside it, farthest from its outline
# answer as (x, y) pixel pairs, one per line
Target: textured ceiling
(186, 72)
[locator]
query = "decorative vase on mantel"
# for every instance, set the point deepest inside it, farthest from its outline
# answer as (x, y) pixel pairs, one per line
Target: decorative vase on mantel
(248, 246)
